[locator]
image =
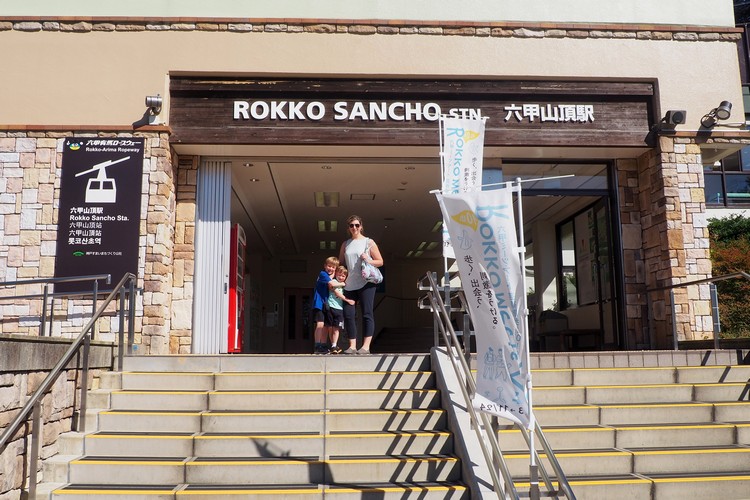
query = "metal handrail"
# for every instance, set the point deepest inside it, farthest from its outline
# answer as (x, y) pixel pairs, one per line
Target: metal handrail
(94, 292)
(438, 307)
(714, 300)
(83, 340)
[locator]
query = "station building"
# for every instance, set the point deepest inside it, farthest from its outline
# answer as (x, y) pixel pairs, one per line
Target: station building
(213, 147)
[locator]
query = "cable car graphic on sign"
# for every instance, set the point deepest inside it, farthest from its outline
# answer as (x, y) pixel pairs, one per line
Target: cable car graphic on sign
(101, 189)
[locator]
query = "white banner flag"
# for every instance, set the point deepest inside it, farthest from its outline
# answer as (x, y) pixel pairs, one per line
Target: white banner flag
(482, 229)
(462, 144)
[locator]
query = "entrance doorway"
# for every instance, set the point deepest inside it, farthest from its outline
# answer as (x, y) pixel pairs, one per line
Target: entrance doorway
(293, 209)
(298, 326)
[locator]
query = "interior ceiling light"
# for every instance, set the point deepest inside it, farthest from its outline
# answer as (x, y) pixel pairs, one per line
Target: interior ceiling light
(248, 165)
(254, 179)
(422, 245)
(410, 168)
(432, 245)
(418, 253)
(331, 245)
(322, 245)
(326, 199)
(437, 226)
(334, 225)
(326, 167)
(321, 226)
(362, 197)
(410, 253)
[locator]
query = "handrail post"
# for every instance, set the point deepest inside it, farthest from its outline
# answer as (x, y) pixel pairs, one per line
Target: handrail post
(93, 305)
(84, 384)
(675, 340)
(121, 330)
(715, 313)
(131, 316)
(43, 323)
(36, 428)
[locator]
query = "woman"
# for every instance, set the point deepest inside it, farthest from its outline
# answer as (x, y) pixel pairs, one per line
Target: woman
(354, 250)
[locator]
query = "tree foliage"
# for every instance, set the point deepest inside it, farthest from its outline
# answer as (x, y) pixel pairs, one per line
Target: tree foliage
(730, 253)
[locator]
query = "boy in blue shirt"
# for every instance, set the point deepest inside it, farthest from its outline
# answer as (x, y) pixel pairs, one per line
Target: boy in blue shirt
(320, 298)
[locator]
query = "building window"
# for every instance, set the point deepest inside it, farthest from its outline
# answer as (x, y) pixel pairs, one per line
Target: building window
(728, 180)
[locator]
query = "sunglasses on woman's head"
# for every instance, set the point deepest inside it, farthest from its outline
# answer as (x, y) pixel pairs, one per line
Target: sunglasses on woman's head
(354, 225)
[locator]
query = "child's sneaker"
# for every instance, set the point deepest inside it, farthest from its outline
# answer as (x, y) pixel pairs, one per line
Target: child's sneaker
(321, 349)
(335, 350)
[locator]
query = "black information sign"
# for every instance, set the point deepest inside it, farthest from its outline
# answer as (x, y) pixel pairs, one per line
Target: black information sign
(100, 206)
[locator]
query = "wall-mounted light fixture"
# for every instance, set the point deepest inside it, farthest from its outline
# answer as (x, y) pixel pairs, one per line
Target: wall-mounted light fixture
(722, 112)
(153, 103)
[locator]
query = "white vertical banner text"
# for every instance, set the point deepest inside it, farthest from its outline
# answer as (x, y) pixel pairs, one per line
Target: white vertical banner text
(482, 229)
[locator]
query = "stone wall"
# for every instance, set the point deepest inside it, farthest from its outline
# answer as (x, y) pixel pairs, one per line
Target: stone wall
(30, 163)
(24, 364)
(670, 207)
(180, 341)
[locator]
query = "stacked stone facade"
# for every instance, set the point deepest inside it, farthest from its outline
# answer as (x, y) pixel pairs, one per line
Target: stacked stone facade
(30, 164)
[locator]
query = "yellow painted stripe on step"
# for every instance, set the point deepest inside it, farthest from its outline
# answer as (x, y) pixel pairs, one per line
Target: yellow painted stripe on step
(573, 407)
(722, 384)
(268, 374)
(389, 460)
(560, 388)
(701, 479)
(626, 369)
(160, 393)
(549, 430)
(388, 434)
(733, 403)
(581, 454)
(126, 462)
(670, 427)
(548, 370)
(389, 412)
(596, 482)
(111, 492)
(394, 489)
(638, 386)
(224, 463)
(215, 493)
(693, 451)
(135, 436)
(170, 374)
(263, 413)
(657, 405)
(262, 436)
(151, 413)
(380, 373)
(265, 393)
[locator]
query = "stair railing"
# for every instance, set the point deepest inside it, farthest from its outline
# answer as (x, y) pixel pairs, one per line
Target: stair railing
(82, 343)
(459, 356)
(714, 305)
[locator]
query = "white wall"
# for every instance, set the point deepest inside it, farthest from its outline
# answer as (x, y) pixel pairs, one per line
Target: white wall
(697, 12)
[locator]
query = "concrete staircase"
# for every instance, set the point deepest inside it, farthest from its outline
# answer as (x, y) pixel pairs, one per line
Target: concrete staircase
(652, 426)
(247, 427)
(646, 425)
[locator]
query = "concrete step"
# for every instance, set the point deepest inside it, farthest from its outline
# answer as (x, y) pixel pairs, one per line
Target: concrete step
(276, 363)
(405, 491)
(159, 400)
(151, 421)
(617, 462)
(266, 421)
(664, 487)
(279, 470)
(262, 445)
(167, 381)
(629, 437)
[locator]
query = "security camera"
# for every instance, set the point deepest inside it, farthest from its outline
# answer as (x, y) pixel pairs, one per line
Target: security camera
(675, 117)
